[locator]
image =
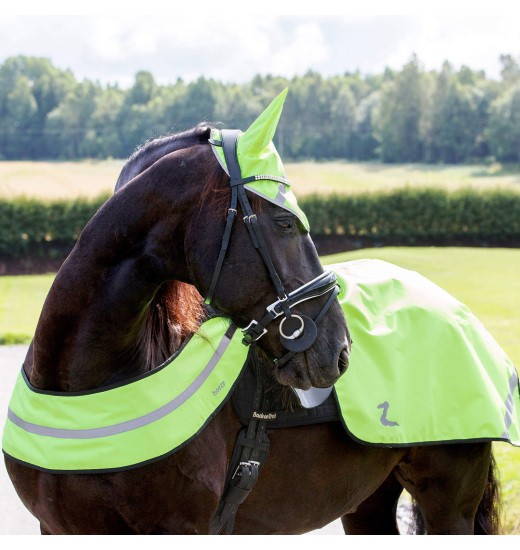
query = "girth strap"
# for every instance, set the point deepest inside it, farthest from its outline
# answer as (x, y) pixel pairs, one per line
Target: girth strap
(249, 455)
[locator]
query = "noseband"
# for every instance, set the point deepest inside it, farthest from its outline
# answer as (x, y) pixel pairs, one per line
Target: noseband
(297, 332)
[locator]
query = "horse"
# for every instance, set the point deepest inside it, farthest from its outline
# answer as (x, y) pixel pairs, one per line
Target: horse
(123, 302)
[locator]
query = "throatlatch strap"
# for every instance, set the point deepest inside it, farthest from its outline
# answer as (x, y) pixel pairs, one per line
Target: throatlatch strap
(225, 241)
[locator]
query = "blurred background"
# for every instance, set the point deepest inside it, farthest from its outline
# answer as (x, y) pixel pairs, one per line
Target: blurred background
(401, 134)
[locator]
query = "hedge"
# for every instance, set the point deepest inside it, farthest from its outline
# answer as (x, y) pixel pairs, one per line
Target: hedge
(43, 228)
(409, 215)
(31, 228)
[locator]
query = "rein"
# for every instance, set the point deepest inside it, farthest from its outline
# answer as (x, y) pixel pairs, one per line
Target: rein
(297, 332)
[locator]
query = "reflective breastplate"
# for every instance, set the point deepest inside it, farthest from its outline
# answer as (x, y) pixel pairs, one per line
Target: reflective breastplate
(127, 425)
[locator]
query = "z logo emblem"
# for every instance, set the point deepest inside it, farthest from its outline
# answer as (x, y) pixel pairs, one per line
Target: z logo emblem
(383, 418)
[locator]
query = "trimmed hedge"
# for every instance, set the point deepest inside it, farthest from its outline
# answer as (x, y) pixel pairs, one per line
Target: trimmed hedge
(31, 228)
(409, 215)
(43, 228)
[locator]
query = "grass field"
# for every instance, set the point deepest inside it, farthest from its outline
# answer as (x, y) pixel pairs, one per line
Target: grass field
(58, 180)
(484, 279)
(54, 180)
(21, 300)
(359, 177)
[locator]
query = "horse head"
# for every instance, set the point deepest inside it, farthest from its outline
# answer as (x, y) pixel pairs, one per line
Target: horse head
(263, 270)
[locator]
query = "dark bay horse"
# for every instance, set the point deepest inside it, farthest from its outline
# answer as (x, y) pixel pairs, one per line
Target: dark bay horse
(122, 303)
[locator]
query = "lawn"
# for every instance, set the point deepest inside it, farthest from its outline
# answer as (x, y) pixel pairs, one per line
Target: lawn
(486, 280)
(21, 300)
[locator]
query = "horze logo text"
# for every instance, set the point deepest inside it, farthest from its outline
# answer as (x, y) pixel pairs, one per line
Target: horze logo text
(222, 384)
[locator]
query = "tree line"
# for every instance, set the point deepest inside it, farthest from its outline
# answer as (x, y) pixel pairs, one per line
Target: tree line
(407, 115)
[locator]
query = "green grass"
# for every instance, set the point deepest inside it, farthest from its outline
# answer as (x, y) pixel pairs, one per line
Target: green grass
(21, 300)
(486, 280)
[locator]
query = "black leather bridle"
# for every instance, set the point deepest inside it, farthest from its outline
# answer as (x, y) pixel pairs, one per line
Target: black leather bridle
(297, 332)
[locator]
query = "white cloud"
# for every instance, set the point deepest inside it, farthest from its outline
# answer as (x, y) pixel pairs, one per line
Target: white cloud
(475, 41)
(306, 48)
(233, 48)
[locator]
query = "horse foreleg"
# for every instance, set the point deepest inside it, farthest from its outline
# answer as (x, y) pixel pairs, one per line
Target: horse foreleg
(377, 514)
(447, 483)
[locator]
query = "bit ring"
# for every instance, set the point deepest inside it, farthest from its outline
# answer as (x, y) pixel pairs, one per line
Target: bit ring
(296, 333)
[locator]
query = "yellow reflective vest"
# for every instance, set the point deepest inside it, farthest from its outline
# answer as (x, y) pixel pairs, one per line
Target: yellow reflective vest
(132, 423)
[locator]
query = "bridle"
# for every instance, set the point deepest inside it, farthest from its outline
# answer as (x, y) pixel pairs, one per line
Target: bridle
(297, 332)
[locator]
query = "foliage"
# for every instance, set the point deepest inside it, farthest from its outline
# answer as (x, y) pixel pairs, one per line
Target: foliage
(43, 229)
(409, 215)
(50, 228)
(410, 115)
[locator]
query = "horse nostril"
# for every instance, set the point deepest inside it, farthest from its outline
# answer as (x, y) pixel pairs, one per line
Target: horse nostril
(343, 361)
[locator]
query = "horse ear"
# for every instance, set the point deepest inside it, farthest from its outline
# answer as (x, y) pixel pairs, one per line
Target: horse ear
(261, 132)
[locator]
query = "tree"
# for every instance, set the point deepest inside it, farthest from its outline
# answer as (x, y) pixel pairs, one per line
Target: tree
(343, 115)
(19, 110)
(510, 69)
(68, 123)
(406, 115)
(364, 141)
(504, 126)
(143, 90)
(399, 114)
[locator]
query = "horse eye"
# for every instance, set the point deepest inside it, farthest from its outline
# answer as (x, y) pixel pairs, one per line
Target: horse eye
(286, 223)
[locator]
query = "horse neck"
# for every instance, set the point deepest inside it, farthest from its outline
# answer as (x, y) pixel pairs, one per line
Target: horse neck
(90, 332)
(154, 150)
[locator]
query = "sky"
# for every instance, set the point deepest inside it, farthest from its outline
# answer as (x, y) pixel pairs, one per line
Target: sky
(232, 46)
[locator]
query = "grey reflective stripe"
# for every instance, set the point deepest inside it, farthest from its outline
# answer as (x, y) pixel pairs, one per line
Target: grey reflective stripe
(221, 162)
(93, 433)
(510, 405)
(280, 197)
(279, 200)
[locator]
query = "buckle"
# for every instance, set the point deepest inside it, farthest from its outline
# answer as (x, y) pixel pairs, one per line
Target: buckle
(242, 466)
(273, 308)
(250, 334)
